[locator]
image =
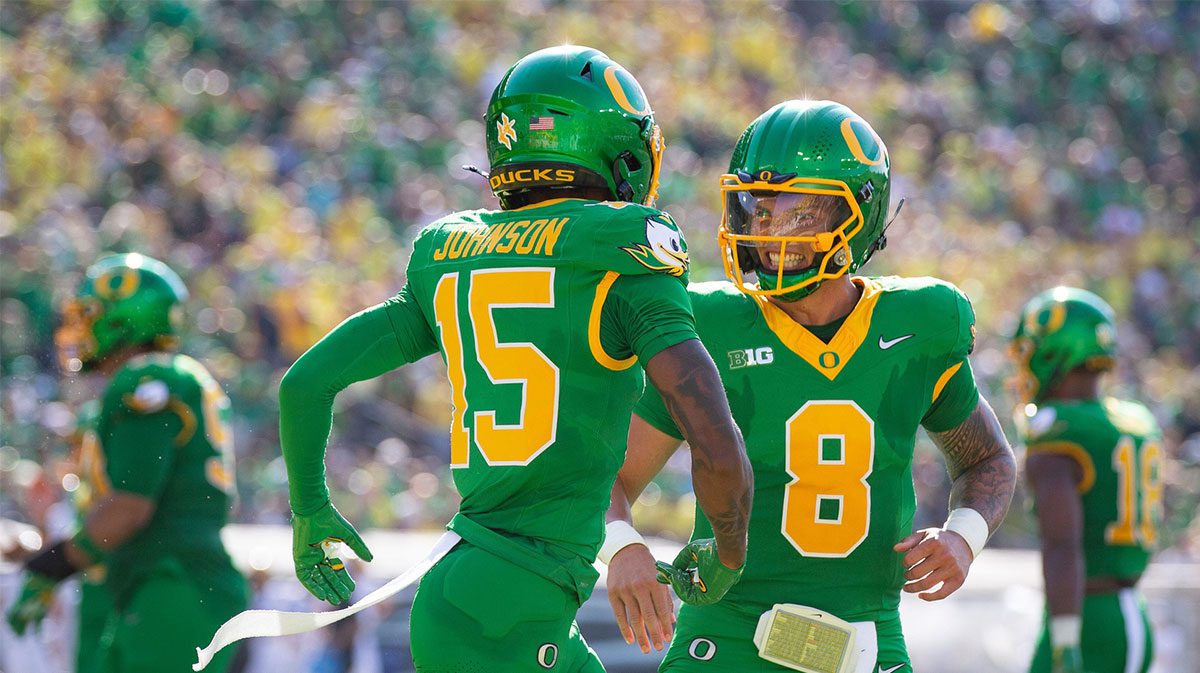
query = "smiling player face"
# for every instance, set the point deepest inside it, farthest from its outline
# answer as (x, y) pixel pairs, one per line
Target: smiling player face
(792, 221)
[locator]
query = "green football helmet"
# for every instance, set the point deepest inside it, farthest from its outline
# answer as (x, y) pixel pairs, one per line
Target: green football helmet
(124, 300)
(1060, 329)
(572, 117)
(805, 198)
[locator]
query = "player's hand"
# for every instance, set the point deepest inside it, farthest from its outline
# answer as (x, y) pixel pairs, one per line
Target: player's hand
(32, 603)
(640, 603)
(324, 575)
(933, 556)
(697, 575)
(1066, 660)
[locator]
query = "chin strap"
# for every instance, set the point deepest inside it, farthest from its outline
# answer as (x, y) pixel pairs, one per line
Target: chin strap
(881, 242)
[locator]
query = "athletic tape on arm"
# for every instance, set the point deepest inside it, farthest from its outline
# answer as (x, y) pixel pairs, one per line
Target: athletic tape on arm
(264, 623)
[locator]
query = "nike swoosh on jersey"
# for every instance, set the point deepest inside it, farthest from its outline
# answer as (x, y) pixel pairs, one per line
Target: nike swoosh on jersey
(897, 666)
(885, 344)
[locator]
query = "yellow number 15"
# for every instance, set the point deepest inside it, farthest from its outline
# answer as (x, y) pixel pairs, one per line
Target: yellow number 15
(520, 363)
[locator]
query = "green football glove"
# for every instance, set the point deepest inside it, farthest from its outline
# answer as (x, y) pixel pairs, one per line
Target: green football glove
(33, 602)
(314, 540)
(1067, 660)
(698, 576)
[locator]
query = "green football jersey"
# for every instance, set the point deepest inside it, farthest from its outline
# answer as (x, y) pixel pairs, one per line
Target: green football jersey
(830, 430)
(541, 359)
(163, 434)
(1118, 446)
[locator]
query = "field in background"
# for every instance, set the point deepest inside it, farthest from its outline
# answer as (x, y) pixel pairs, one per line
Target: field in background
(989, 626)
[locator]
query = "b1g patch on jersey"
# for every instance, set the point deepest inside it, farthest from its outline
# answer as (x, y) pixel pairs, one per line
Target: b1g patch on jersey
(663, 250)
(750, 357)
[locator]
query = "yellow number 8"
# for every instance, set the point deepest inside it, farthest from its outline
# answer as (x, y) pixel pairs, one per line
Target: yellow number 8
(830, 451)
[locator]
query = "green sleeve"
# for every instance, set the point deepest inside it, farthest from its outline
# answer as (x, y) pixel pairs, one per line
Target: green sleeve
(364, 346)
(139, 450)
(644, 315)
(955, 394)
(955, 401)
(653, 410)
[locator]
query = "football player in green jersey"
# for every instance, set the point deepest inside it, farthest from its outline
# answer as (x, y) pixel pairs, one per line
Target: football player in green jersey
(1095, 466)
(161, 471)
(540, 310)
(829, 376)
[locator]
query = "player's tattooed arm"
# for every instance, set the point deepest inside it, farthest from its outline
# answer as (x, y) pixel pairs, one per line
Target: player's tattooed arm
(981, 464)
(691, 388)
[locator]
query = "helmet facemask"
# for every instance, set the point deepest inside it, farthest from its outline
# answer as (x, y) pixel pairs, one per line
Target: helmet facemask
(74, 340)
(793, 232)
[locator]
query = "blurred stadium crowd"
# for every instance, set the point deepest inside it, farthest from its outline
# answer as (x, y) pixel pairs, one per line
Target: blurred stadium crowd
(281, 154)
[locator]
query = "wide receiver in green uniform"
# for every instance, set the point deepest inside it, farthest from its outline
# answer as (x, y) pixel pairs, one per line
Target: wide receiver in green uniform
(161, 470)
(1095, 467)
(540, 311)
(829, 376)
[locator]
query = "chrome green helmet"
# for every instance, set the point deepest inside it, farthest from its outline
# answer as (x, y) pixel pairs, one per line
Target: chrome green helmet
(572, 117)
(1060, 329)
(805, 198)
(124, 300)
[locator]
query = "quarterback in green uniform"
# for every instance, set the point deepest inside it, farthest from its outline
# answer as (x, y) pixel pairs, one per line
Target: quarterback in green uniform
(1095, 466)
(829, 376)
(541, 312)
(161, 471)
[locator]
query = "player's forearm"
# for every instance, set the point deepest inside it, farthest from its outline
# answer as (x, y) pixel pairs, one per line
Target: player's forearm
(1063, 570)
(721, 473)
(981, 463)
(114, 521)
(362, 347)
(619, 507)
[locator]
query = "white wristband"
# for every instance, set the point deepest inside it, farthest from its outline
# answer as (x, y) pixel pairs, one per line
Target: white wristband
(617, 536)
(1065, 630)
(971, 526)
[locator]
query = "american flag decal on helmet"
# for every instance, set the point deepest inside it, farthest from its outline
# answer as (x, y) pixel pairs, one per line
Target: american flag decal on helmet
(541, 123)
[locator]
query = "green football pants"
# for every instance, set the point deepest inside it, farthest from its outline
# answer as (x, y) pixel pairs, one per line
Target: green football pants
(475, 612)
(717, 637)
(95, 607)
(161, 626)
(1116, 635)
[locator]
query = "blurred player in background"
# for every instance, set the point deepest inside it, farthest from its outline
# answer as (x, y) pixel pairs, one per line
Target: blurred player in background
(541, 312)
(161, 471)
(1095, 466)
(829, 376)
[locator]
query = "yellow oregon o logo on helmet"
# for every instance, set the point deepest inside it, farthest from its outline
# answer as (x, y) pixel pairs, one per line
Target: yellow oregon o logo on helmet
(618, 91)
(126, 284)
(850, 135)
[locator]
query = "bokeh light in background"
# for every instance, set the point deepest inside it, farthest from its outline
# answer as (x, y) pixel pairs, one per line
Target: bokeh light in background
(281, 155)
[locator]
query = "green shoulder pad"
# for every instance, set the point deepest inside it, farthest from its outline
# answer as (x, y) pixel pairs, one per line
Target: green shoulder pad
(1131, 418)
(1047, 423)
(937, 306)
(640, 240)
(146, 384)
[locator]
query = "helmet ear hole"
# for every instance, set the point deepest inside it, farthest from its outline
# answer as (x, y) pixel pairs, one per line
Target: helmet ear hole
(622, 167)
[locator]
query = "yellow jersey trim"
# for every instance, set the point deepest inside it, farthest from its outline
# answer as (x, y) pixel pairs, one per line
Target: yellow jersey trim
(831, 358)
(539, 204)
(594, 343)
(943, 380)
(187, 417)
(1073, 451)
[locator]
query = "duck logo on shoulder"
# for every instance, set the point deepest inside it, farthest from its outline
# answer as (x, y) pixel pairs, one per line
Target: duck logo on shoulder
(663, 250)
